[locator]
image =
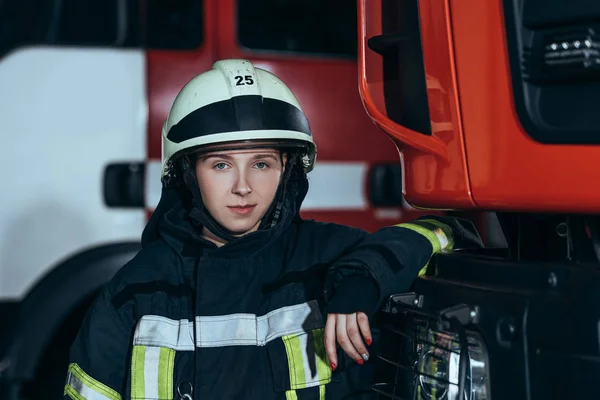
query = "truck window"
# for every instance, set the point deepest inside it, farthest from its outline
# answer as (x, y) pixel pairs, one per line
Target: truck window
(23, 22)
(156, 24)
(89, 23)
(174, 24)
(298, 26)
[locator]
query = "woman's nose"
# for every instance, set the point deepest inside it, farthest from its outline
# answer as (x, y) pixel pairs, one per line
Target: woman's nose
(241, 186)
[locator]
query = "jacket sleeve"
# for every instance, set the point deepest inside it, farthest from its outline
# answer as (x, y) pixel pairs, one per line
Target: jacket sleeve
(389, 260)
(98, 358)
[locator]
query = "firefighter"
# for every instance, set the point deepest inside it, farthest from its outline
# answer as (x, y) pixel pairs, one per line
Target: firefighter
(234, 295)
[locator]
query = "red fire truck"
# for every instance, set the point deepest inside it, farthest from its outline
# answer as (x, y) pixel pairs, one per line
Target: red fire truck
(493, 105)
(84, 89)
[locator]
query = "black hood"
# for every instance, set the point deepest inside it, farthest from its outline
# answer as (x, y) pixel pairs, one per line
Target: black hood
(170, 220)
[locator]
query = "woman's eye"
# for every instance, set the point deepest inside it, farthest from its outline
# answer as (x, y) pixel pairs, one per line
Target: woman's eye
(261, 165)
(220, 166)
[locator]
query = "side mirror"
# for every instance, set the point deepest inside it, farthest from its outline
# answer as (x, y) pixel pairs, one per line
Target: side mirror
(124, 185)
(385, 185)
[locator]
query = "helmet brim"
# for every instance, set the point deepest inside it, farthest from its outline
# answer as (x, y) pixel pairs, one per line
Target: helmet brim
(250, 144)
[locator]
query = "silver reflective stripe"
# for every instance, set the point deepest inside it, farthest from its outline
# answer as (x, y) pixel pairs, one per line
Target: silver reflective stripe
(151, 359)
(442, 238)
(153, 330)
(82, 389)
(250, 330)
(228, 330)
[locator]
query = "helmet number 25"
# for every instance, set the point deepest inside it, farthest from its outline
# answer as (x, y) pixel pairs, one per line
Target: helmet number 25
(244, 80)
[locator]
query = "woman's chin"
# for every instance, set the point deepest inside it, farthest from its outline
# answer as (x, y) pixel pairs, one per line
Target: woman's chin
(242, 229)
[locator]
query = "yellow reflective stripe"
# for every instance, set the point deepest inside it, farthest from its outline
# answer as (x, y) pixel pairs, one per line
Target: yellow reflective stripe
(165, 373)
(72, 393)
(323, 366)
(423, 270)
(303, 355)
(81, 386)
(431, 236)
(295, 361)
(445, 229)
(322, 392)
(137, 372)
(291, 395)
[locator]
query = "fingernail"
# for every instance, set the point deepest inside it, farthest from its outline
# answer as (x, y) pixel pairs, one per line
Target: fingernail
(369, 341)
(360, 361)
(365, 357)
(333, 366)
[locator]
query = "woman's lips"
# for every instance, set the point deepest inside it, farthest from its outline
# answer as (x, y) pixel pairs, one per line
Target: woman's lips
(242, 209)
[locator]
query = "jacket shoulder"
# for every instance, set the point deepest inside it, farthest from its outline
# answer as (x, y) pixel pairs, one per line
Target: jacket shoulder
(155, 262)
(319, 229)
(315, 241)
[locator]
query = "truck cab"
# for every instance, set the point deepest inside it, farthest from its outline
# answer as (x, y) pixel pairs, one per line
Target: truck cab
(516, 79)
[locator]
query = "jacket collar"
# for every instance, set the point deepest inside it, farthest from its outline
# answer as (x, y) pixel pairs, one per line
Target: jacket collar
(170, 223)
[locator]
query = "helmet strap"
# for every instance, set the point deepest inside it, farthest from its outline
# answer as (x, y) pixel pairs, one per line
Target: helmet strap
(198, 213)
(273, 214)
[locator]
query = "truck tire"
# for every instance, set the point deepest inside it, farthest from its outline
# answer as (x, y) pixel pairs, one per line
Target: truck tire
(50, 316)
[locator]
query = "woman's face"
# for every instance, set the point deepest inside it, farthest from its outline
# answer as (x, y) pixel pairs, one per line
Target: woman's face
(238, 186)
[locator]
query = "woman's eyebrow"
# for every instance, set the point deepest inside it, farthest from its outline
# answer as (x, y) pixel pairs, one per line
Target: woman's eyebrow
(208, 156)
(266, 155)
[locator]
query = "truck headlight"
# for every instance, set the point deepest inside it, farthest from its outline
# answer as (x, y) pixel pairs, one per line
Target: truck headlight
(438, 367)
(432, 357)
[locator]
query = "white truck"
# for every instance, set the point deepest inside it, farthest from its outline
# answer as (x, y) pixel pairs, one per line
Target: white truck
(84, 89)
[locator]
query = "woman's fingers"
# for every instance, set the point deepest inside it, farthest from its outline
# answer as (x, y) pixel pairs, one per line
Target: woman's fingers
(347, 330)
(355, 336)
(341, 330)
(330, 340)
(365, 327)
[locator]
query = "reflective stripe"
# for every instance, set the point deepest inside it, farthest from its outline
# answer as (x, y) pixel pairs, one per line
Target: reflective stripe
(227, 330)
(291, 395)
(446, 233)
(437, 237)
(137, 372)
(440, 236)
(165, 373)
(248, 329)
(293, 348)
(80, 385)
(423, 270)
(306, 355)
(322, 392)
(152, 373)
(154, 330)
(323, 365)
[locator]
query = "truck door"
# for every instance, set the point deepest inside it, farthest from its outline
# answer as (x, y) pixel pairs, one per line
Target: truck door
(312, 46)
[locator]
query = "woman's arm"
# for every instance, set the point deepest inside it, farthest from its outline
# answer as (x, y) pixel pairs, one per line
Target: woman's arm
(98, 360)
(379, 265)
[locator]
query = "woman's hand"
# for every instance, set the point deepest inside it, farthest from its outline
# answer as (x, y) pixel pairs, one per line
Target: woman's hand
(348, 330)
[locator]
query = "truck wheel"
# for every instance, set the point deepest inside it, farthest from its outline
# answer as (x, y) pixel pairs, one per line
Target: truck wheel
(51, 372)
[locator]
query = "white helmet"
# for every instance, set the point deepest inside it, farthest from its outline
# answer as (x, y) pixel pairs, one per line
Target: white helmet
(234, 102)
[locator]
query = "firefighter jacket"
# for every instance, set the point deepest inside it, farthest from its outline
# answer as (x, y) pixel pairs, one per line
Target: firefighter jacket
(187, 320)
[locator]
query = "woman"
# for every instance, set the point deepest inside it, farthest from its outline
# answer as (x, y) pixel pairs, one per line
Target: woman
(233, 295)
